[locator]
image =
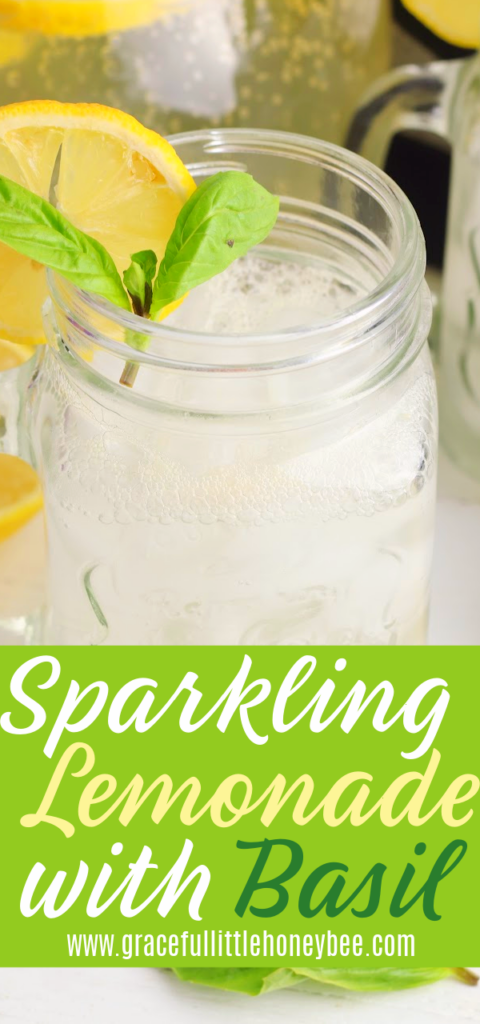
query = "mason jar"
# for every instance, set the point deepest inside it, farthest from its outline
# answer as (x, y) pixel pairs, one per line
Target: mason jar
(183, 64)
(269, 478)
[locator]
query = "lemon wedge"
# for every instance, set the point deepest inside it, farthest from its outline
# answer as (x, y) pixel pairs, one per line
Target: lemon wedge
(114, 179)
(457, 23)
(78, 17)
(20, 494)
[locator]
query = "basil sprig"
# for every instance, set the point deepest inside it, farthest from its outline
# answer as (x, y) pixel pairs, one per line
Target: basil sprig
(225, 217)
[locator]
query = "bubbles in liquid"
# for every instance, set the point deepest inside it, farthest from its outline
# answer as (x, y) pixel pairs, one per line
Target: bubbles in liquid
(119, 474)
(296, 65)
(258, 295)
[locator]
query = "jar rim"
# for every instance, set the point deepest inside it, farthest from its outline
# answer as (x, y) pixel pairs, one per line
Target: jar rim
(333, 333)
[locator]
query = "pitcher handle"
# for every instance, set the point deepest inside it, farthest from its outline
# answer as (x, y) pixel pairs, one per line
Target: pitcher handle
(416, 97)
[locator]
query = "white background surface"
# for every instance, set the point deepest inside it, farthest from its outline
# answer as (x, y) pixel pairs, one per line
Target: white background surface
(142, 996)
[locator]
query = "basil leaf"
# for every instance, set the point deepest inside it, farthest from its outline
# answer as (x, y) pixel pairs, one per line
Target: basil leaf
(33, 227)
(380, 980)
(255, 981)
(147, 260)
(227, 215)
(138, 280)
(235, 979)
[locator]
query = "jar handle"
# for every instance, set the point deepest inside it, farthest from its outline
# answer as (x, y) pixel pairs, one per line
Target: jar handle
(416, 97)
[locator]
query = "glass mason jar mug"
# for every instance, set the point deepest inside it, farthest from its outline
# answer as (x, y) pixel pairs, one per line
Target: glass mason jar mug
(270, 477)
(182, 64)
(444, 99)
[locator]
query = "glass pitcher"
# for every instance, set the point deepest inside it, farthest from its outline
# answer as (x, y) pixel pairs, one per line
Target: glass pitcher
(15, 379)
(178, 65)
(443, 99)
(22, 543)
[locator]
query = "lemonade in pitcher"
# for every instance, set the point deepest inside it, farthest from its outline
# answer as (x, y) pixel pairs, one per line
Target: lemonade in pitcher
(177, 65)
(22, 534)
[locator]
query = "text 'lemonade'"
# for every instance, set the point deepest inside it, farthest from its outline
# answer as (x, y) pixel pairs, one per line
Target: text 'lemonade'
(270, 477)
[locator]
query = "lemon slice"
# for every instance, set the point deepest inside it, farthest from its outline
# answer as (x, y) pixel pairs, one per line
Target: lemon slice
(457, 23)
(78, 17)
(20, 494)
(12, 355)
(114, 179)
